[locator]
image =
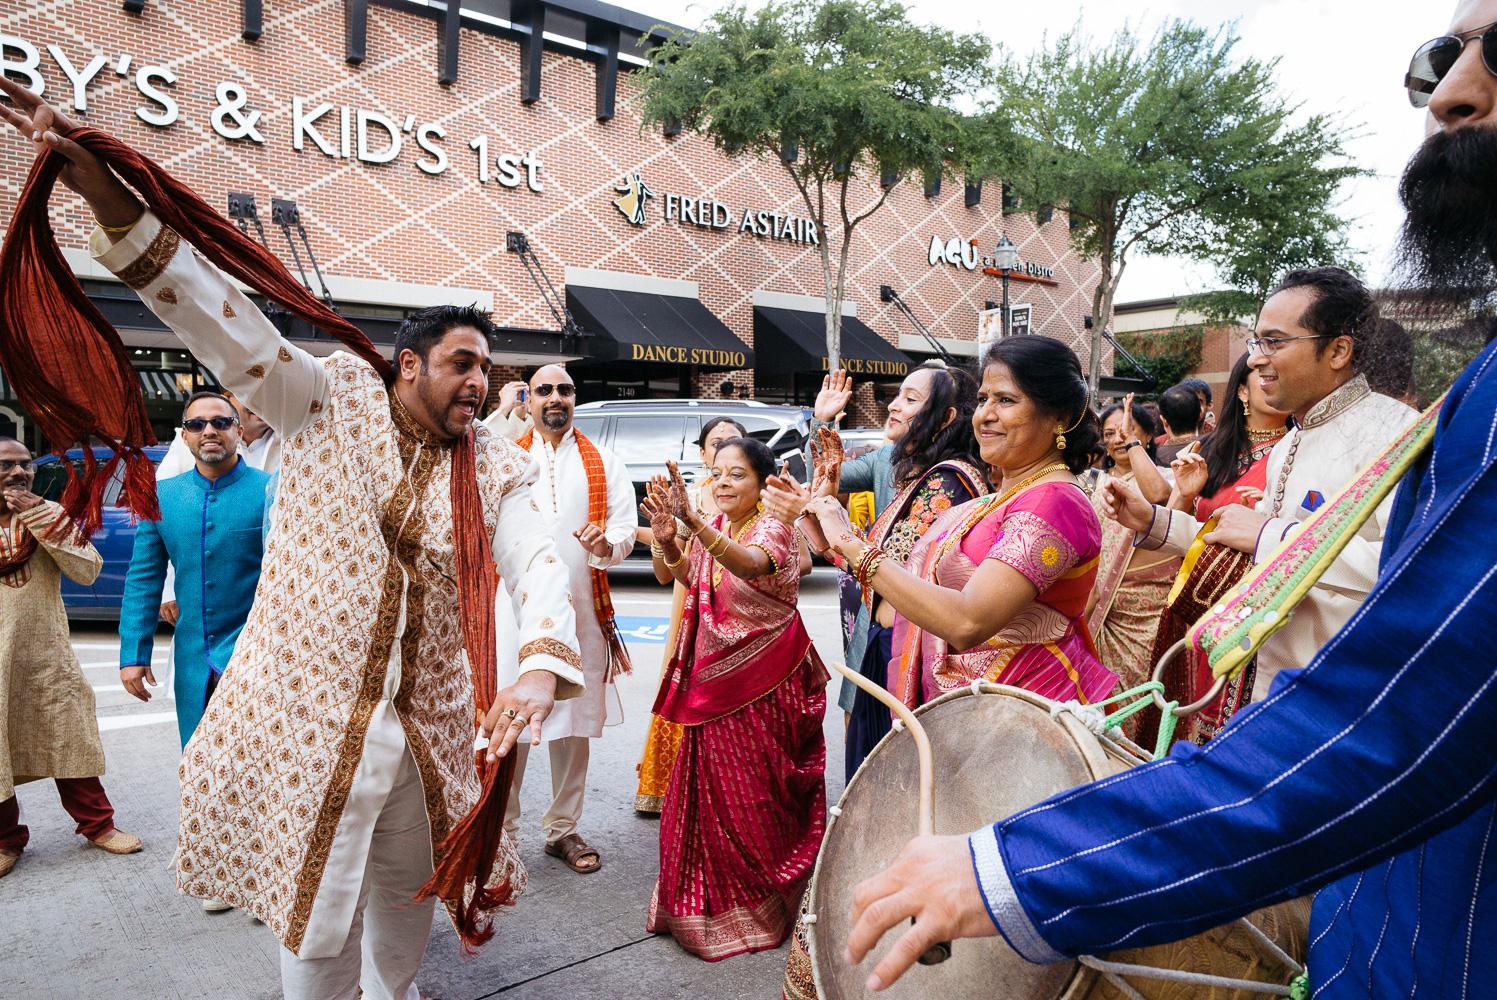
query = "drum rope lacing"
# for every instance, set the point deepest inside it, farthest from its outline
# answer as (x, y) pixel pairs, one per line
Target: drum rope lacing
(1105, 726)
(1092, 718)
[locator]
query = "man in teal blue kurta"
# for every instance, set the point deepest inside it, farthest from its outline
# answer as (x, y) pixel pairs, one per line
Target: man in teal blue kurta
(212, 530)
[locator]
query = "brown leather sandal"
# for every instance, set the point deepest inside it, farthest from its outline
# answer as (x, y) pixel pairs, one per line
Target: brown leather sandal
(571, 850)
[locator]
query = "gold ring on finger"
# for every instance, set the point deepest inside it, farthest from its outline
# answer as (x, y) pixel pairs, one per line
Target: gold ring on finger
(521, 720)
(510, 713)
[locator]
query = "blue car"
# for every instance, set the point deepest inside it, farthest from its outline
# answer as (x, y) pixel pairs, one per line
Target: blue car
(115, 540)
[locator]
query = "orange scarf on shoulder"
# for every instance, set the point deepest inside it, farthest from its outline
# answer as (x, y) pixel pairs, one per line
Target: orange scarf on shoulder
(597, 513)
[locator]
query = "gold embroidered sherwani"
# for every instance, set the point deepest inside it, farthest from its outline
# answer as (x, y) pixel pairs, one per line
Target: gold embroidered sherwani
(47, 724)
(353, 651)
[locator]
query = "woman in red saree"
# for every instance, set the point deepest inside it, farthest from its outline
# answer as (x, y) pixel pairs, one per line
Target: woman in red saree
(745, 809)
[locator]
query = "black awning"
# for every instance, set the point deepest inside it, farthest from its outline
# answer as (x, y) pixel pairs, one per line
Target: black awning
(666, 329)
(790, 340)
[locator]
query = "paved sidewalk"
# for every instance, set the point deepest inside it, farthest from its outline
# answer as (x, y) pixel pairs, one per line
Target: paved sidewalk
(78, 923)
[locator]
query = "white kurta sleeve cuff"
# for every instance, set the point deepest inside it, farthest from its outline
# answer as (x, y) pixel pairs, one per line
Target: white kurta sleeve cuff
(1273, 533)
(1003, 904)
(1171, 531)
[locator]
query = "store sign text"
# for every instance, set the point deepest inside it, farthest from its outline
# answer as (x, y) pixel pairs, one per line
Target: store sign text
(963, 253)
(865, 366)
(688, 356)
(709, 213)
(340, 132)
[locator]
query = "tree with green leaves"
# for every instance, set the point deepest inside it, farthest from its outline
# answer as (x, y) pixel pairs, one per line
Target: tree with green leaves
(1169, 145)
(849, 96)
(1305, 231)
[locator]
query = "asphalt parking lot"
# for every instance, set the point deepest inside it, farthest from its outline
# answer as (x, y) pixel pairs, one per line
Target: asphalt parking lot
(80, 923)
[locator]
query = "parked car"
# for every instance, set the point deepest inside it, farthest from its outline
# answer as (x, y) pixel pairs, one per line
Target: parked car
(115, 540)
(860, 440)
(647, 433)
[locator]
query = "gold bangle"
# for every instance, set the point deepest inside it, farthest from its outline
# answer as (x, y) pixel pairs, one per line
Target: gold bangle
(656, 550)
(120, 229)
(672, 565)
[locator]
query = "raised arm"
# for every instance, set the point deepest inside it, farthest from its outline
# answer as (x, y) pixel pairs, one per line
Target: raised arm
(73, 554)
(216, 321)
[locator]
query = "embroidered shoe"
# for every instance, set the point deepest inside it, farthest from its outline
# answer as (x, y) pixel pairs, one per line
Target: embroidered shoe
(215, 905)
(117, 842)
(7, 862)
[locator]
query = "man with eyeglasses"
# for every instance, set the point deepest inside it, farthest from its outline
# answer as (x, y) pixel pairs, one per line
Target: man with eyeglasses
(47, 723)
(1368, 778)
(1309, 349)
(211, 534)
(586, 498)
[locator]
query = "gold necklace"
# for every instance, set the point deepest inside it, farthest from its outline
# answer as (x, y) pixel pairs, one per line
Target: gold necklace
(717, 573)
(1029, 481)
(1268, 434)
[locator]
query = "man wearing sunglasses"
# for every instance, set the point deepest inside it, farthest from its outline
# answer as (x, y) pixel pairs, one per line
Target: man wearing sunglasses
(586, 497)
(1309, 348)
(1368, 778)
(211, 535)
(47, 725)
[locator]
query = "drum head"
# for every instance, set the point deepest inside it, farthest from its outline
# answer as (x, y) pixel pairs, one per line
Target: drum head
(994, 755)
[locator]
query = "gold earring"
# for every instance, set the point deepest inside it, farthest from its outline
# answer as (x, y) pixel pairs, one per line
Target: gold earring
(1247, 411)
(1060, 440)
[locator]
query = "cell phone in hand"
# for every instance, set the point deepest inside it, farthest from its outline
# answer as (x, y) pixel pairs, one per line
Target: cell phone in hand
(522, 394)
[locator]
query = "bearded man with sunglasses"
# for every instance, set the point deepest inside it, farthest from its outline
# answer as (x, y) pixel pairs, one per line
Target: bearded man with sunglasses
(586, 498)
(211, 534)
(1368, 778)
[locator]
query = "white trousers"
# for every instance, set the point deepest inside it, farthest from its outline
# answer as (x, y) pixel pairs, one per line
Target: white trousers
(388, 938)
(569, 757)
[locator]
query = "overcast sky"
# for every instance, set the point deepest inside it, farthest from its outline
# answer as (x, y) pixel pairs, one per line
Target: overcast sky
(1347, 58)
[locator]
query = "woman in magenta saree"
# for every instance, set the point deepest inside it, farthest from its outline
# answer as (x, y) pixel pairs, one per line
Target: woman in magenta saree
(1049, 534)
(996, 589)
(745, 809)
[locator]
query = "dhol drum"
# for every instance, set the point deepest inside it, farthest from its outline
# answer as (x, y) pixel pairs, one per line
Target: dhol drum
(998, 750)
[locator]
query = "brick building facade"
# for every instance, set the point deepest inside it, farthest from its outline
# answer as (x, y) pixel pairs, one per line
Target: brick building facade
(407, 187)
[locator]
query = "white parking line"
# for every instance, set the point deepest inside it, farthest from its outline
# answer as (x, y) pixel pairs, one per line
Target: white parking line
(131, 721)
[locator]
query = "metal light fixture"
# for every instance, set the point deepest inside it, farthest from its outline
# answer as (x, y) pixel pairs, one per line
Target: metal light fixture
(1005, 255)
(1005, 260)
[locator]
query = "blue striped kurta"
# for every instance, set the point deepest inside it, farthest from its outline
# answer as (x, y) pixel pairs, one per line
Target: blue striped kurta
(1367, 777)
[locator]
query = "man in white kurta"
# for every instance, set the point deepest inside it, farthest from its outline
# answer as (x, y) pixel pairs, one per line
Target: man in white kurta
(1334, 435)
(562, 491)
(339, 750)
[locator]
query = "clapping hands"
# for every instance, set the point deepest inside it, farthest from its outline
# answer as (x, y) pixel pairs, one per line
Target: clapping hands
(826, 461)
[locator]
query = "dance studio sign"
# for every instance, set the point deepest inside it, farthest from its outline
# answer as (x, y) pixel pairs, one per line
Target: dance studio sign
(340, 132)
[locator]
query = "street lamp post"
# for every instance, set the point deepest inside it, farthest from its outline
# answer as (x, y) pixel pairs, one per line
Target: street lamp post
(1005, 259)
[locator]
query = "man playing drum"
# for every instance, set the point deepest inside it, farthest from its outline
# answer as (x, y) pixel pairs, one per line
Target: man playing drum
(1368, 776)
